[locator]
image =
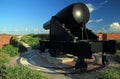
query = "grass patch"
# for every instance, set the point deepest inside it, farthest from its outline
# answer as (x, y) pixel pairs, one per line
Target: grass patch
(16, 43)
(112, 73)
(31, 40)
(42, 36)
(11, 50)
(4, 57)
(20, 72)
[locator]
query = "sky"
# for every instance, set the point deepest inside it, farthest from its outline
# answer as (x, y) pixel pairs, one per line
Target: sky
(28, 16)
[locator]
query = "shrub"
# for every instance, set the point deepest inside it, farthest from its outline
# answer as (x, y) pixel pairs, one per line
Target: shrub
(30, 40)
(20, 72)
(4, 57)
(21, 48)
(16, 43)
(117, 56)
(112, 73)
(32, 34)
(42, 36)
(11, 50)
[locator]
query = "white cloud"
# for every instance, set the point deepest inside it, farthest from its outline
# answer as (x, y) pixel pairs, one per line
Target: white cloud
(90, 21)
(4, 30)
(101, 5)
(115, 27)
(99, 20)
(105, 2)
(16, 30)
(27, 30)
(96, 21)
(36, 29)
(90, 7)
(103, 30)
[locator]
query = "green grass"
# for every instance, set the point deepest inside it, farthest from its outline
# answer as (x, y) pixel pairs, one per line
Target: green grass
(42, 36)
(30, 40)
(111, 73)
(16, 43)
(20, 72)
(11, 50)
(4, 57)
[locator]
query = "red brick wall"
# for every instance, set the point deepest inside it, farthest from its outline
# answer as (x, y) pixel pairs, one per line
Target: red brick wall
(100, 36)
(109, 36)
(113, 36)
(4, 40)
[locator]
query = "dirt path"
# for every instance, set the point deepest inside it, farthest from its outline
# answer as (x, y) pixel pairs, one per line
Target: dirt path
(13, 60)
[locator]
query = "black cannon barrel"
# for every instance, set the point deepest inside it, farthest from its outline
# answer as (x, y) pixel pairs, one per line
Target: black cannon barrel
(72, 16)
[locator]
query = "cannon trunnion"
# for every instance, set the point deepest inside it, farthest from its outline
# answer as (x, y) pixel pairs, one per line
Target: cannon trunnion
(68, 34)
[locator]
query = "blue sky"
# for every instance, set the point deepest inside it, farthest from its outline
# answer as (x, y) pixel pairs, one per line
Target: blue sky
(28, 16)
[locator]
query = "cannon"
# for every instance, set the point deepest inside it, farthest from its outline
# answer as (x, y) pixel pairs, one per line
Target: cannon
(68, 34)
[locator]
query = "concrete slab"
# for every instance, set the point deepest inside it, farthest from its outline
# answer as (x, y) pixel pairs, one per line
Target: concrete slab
(41, 62)
(65, 60)
(28, 63)
(51, 59)
(58, 60)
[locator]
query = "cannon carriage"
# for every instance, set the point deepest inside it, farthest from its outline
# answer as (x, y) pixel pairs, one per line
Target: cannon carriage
(68, 34)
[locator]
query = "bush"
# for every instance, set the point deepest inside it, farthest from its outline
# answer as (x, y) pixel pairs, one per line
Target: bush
(4, 57)
(11, 50)
(30, 40)
(32, 34)
(117, 56)
(15, 42)
(20, 72)
(42, 36)
(112, 73)
(21, 48)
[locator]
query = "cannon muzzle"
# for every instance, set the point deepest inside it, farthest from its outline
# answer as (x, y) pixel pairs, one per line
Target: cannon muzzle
(72, 16)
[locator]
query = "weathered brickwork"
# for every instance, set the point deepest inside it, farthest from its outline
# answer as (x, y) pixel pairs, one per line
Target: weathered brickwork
(5, 40)
(109, 36)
